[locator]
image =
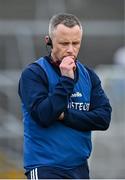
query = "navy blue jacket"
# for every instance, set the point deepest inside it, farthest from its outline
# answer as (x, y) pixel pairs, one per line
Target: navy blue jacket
(45, 94)
(37, 103)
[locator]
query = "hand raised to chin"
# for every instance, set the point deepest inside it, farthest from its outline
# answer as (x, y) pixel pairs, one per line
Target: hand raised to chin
(67, 67)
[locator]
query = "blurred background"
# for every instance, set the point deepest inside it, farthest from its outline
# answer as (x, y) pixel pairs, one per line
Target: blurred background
(23, 25)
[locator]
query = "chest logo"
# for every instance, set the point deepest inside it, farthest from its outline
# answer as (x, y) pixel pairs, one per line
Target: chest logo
(76, 94)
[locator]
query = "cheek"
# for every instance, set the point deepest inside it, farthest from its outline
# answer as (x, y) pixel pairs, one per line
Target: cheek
(57, 50)
(77, 49)
(57, 53)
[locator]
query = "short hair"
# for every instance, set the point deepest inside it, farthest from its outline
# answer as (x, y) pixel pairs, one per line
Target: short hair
(66, 19)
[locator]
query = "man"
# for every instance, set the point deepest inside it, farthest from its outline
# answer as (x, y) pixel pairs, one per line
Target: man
(62, 102)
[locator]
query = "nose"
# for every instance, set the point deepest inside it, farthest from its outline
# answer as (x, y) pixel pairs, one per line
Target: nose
(70, 48)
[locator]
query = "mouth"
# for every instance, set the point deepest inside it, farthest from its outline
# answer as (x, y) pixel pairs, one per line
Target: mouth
(58, 62)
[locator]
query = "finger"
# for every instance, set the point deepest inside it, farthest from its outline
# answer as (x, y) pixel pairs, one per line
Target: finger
(72, 66)
(67, 62)
(68, 59)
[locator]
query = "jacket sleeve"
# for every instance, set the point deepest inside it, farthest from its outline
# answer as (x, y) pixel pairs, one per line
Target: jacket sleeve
(33, 91)
(99, 115)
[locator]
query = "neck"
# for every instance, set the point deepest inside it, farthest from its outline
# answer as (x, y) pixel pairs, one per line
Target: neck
(55, 62)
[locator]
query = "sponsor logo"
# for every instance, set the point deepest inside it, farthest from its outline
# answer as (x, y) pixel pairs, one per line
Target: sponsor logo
(76, 94)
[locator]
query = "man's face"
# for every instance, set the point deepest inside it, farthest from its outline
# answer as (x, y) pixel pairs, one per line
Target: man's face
(66, 42)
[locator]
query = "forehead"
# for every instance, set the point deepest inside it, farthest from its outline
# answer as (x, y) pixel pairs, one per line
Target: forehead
(65, 31)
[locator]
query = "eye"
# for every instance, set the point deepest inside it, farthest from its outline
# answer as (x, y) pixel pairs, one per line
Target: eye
(64, 43)
(76, 43)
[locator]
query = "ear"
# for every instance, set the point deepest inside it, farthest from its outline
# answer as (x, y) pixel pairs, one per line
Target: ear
(46, 39)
